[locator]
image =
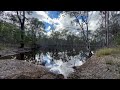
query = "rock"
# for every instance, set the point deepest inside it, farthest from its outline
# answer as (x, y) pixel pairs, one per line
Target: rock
(18, 69)
(76, 67)
(60, 76)
(23, 77)
(48, 76)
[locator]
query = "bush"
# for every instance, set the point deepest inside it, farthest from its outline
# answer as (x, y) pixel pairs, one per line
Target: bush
(117, 39)
(107, 51)
(1, 47)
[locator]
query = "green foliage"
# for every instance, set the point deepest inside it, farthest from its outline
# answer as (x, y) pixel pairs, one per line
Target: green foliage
(11, 34)
(117, 39)
(1, 47)
(36, 23)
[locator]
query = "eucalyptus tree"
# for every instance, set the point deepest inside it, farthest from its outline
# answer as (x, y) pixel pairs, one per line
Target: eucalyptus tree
(19, 18)
(110, 24)
(21, 15)
(81, 18)
(36, 27)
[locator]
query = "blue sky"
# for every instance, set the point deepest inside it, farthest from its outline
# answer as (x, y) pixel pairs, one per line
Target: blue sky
(55, 14)
(52, 15)
(47, 25)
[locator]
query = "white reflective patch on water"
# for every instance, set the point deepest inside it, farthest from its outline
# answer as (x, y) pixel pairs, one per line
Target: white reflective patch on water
(60, 67)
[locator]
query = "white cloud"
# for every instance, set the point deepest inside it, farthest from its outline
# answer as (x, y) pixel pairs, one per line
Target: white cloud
(43, 16)
(94, 19)
(64, 21)
(59, 23)
(48, 28)
(49, 33)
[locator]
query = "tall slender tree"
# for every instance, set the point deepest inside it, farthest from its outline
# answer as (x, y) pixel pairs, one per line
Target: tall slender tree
(83, 15)
(21, 15)
(106, 21)
(36, 27)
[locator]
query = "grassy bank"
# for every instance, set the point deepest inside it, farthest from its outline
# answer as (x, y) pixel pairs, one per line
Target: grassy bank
(105, 64)
(108, 51)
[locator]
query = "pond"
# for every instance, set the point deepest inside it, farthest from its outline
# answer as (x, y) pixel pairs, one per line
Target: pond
(58, 62)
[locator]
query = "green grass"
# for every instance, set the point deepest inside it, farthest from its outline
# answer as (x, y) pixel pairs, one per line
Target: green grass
(3, 47)
(107, 51)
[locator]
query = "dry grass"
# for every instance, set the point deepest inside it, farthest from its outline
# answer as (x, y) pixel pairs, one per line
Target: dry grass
(107, 51)
(110, 62)
(2, 47)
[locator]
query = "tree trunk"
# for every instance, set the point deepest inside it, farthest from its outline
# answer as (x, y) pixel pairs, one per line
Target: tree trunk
(87, 37)
(107, 29)
(22, 21)
(22, 36)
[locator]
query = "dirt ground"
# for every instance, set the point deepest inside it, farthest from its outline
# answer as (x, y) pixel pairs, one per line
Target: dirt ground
(107, 67)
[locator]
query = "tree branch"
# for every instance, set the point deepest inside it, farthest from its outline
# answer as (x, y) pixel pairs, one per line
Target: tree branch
(18, 16)
(80, 26)
(23, 17)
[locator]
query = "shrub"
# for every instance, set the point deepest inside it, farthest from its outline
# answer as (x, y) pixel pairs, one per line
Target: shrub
(117, 39)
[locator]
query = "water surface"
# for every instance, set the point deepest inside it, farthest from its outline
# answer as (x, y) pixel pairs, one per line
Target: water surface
(59, 62)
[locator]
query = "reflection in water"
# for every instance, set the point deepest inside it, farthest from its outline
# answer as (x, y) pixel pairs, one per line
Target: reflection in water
(56, 62)
(60, 63)
(20, 56)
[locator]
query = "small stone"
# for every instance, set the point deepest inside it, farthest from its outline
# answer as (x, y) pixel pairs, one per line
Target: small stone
(60, 76)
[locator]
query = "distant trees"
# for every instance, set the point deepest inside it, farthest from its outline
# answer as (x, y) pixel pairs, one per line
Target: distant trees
(9, 33)
(107, 34)
(28, 31)
(16, 29)
(21, 15)
(106, 26)
(36, 27)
